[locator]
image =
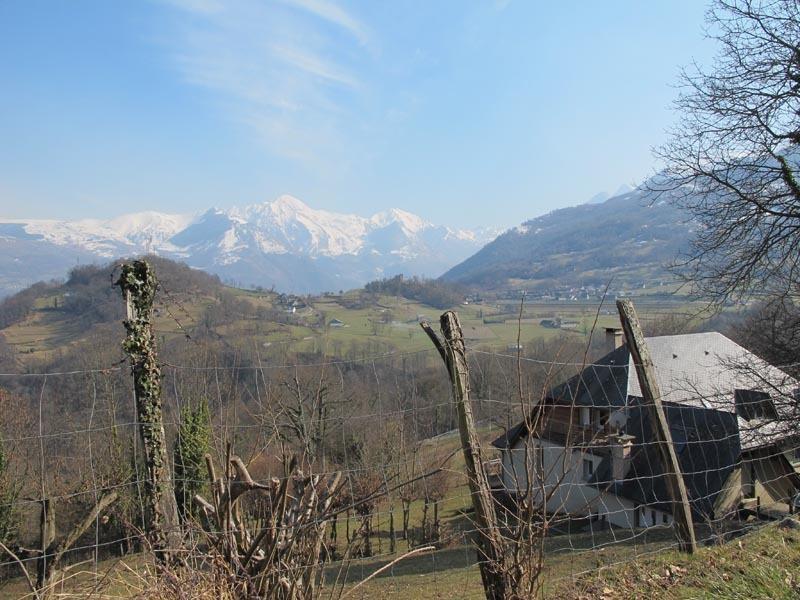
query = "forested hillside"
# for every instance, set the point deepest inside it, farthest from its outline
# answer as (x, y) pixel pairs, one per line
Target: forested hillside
(628, 238)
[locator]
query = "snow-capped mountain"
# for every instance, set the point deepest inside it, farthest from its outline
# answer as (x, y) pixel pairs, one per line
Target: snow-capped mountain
(109, 238)
(284, 243)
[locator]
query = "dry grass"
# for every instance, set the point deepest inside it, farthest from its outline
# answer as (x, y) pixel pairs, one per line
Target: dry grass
(762, 564)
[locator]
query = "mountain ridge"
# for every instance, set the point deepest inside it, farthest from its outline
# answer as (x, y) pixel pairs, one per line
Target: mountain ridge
(284, 243)
(630, 238)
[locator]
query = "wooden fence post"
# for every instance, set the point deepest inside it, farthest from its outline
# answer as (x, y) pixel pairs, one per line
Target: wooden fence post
(491, 555)
(651, 393)
(49, 556)
(47, 534)
(138, 284)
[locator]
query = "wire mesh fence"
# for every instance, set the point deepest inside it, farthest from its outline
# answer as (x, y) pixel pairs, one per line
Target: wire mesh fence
(567, 445)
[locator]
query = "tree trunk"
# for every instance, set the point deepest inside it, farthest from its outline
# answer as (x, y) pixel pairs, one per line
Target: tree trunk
(367, 535)
(392, 535)
(436, 528)
(347, 527)
(406, 517)
(425, 531)
(380, 539)
(138, 284)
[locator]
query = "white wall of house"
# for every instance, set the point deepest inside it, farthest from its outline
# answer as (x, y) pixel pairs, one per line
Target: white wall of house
(621, 512)
(555, 469)
(565, 474)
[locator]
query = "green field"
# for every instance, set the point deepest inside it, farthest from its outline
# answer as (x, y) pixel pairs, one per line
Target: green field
(394, 322)
(374, 325)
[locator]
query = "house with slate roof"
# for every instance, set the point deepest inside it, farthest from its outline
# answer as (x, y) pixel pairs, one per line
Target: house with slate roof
(589, 446)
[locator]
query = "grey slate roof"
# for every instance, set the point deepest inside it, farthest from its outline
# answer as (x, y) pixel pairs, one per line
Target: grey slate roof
(692, 370)
(708, 449)
(698, 378)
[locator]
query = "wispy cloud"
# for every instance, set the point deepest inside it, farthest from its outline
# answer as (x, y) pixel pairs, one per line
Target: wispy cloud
(314, 65)
(286, 69)
(334, 14)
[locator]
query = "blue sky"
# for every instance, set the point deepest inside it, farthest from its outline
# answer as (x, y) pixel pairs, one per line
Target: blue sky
(484, 112)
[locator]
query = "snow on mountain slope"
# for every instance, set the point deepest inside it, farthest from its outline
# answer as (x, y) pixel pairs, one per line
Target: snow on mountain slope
(284, 243)
(149, 227)
(137, 231)
(410, 223)
(298, 228)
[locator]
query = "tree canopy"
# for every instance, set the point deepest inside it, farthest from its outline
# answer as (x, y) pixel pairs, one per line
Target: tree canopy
(732, 159)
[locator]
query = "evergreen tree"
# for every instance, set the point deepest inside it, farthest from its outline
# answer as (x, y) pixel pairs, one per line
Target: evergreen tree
(193, 443)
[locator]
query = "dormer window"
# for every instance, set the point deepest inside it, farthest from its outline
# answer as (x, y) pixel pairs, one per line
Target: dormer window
(754, 404)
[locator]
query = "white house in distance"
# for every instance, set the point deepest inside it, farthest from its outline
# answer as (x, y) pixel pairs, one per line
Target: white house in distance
(589, 444)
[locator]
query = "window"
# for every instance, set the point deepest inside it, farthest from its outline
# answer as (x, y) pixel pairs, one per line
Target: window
(752, 404)
(588, 469)
(602, 419)
(653, 517)
(585, 416)
(664, 519)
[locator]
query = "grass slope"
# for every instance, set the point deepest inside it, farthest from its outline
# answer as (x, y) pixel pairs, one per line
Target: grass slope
(763, 564)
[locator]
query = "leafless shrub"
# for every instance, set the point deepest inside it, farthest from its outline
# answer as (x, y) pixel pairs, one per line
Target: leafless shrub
(281, 558)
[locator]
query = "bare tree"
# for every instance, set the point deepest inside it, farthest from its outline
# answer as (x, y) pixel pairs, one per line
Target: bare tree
(732, 159)
(772, 331)
(304, 413)
(433, 489)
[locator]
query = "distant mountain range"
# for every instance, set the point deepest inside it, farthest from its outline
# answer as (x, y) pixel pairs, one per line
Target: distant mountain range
(285, 244)
(629, 237)
(292, 247)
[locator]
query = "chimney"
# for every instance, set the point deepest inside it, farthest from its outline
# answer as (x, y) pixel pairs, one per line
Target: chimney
(621, 445)
(613, 338)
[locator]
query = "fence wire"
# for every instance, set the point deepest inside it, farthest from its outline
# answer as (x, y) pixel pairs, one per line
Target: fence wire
(388, 425)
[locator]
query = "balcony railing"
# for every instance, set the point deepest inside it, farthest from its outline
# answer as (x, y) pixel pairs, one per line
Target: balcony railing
(557, 430)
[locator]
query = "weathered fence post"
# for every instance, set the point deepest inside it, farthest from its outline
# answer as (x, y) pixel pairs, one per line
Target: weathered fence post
(491, 555)
(49, 555)
(47, 534)
(651, 393)
(138, 284)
